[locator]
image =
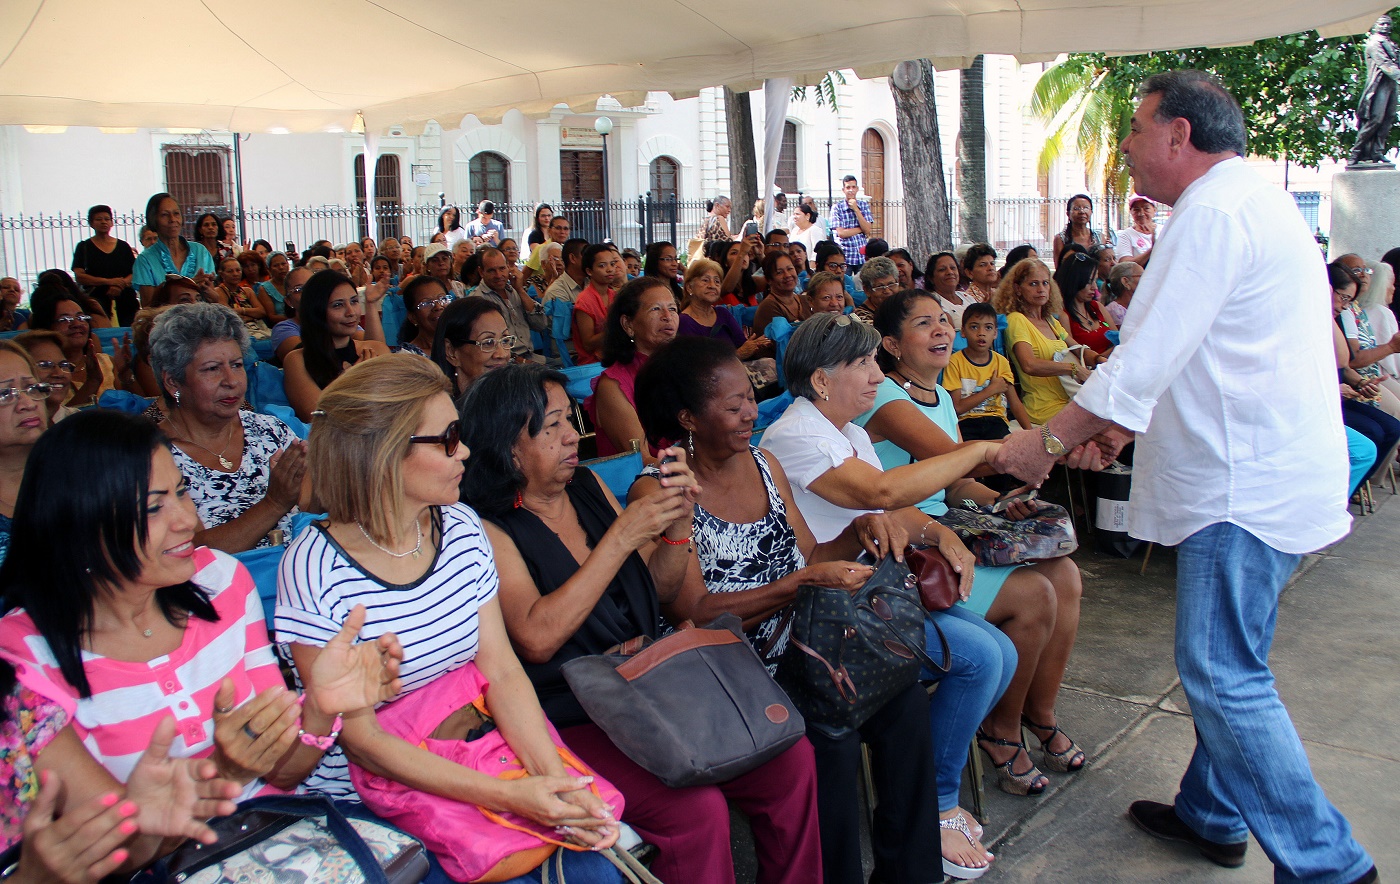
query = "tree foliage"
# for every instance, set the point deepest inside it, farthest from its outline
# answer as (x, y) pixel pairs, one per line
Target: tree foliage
(1298, 93)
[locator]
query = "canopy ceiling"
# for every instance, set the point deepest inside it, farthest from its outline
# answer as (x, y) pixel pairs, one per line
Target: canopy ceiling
(296, 65)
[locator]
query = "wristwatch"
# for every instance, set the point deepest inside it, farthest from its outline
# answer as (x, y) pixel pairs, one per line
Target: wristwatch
(1053, 445)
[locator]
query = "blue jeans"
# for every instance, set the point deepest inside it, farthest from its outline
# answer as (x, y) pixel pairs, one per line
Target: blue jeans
(983, 660)
(1249, 772)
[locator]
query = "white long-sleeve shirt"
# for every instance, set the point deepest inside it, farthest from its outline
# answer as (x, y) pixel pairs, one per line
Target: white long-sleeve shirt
(1227, 374)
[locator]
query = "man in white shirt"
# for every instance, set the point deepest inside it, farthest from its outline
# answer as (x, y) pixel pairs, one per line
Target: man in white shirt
(1135, 243)
(1241, 462)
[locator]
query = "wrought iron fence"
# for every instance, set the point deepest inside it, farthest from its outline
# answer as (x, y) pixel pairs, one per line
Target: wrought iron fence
(30, 244)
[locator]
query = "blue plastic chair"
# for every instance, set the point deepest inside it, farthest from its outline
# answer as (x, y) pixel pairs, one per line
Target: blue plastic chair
(580, 379)
(561, 327)
(286, 415)
(959, 342)
(121, 400)
(1114, 337)
(262, 565)
(110, 338)
(778, 331)
(393, 313)
(264, 349)
(618, 472)
(769, 410)
(265, 386)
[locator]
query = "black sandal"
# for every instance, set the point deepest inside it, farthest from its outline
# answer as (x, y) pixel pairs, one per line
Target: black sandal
(1031, 782)
(1068, 761)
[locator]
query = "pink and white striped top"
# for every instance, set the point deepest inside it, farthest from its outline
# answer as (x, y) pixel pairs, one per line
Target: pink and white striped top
(129, 699)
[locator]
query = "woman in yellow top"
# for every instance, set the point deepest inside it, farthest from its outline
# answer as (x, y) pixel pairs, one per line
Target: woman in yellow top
(1030, 300)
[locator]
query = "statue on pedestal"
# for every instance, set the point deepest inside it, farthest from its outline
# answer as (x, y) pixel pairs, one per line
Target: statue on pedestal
(1375, 112)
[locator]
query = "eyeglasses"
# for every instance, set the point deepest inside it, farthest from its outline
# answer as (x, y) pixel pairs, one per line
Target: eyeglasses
(79, 317)
(435, 302)
(1359, 272)
(65, 366)
(835, 268)
(840, 322)
(37, 392)
(885, 287)
(295, 289)
(489, 346)
(449, 438)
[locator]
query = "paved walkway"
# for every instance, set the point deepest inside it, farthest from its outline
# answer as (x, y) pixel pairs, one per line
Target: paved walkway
(1336, 657)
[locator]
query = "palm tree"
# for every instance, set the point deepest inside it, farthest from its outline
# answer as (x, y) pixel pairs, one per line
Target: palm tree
(1088, 115)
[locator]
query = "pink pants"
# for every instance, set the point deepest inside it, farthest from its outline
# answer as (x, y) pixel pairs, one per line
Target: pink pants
(690, 826)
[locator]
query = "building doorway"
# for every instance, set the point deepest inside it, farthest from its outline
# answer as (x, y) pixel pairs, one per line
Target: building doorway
(581, 189)
(872, 176)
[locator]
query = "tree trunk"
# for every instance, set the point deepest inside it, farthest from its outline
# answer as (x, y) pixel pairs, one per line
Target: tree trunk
(921, 165)
(743, 158)
(972, 156)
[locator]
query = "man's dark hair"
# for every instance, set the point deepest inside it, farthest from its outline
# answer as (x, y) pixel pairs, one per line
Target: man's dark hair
(573, 247)
(1217, 123)
(846, 178)
(876, 247)
(768, 237)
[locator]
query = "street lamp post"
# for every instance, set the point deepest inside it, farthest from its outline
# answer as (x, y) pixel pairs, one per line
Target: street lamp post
(603, 126)
(830, 194)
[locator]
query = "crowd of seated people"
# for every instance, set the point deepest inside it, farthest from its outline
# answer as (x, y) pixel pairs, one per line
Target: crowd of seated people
(461, 539)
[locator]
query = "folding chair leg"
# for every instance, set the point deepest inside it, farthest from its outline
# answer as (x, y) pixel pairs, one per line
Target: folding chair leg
(1069, 494)
(1145, 556)
(979, 788)
(1390, 474)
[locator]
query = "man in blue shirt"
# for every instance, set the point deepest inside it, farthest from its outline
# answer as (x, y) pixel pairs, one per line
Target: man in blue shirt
(850, 222)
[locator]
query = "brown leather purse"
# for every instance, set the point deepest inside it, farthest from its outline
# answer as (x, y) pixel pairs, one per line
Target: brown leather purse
(938, 582)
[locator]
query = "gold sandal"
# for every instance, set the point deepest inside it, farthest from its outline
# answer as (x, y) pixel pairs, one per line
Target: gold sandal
(1031, 782)
(1068, 761)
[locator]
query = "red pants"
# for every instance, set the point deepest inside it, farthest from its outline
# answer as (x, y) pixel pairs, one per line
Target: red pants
(690, 826)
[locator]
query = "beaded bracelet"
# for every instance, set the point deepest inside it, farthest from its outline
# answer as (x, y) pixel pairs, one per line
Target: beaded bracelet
(682, 542)
(316, 740)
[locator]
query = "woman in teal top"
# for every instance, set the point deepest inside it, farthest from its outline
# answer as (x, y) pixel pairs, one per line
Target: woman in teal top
(171, 254)
(1037, 606)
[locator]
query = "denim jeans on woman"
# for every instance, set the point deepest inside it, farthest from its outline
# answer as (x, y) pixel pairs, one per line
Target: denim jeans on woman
(982, 661)
(1249, 772)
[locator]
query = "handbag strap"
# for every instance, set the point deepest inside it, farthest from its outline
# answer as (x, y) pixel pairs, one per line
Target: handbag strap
(839, 677)
(630, 867)
(569, 759)
(783, 622)
(916, 648)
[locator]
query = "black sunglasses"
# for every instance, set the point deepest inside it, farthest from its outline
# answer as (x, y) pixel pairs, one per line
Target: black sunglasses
(449, 438)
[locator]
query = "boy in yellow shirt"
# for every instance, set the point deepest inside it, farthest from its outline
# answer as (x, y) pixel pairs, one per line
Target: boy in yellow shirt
(981, 382)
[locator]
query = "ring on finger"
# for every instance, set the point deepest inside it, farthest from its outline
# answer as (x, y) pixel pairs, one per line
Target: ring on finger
(223, 710)
(252, 735)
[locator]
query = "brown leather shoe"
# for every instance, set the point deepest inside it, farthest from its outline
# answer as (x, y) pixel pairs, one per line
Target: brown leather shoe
(1160, 821)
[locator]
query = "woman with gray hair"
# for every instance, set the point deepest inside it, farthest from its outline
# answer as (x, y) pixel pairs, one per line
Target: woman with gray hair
(1122, 284)
(244, 470)
(1374, 304)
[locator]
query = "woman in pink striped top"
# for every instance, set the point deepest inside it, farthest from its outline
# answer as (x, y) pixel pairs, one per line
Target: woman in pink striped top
(115, 604)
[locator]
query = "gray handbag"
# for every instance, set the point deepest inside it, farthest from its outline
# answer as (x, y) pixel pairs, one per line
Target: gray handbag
(694, 708)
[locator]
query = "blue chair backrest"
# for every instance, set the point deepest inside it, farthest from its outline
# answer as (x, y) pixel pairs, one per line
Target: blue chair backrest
(264, 349)
(855, 290)
(959, 342)
(286, 415)
(561, 327)
(110, 338)
(121, 400)
(778, 331)
(617, 472)
(1114, 337)
(769, 410)
(393, 314)
(262, 565)
(999, 342)
(580, 378)
(265, 386)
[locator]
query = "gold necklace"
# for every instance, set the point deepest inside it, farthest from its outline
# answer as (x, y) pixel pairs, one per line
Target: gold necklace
(224, 462)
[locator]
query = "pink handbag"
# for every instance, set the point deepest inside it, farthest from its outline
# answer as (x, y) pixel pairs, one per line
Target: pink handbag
(472, 843)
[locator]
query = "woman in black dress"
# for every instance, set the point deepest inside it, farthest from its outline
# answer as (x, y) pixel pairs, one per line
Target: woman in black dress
(102, 266)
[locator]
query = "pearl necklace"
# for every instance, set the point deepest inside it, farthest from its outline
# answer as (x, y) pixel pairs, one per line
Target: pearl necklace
(415, 552)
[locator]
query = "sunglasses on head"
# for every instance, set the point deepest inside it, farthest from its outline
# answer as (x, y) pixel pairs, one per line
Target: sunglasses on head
(449, 438)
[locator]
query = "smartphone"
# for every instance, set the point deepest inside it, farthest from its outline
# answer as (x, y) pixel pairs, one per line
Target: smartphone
(291, 247)
(670, 458)
(1005, 502)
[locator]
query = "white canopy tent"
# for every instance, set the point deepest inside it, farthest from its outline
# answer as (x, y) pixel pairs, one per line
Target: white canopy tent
(296, 65)
(366, 65)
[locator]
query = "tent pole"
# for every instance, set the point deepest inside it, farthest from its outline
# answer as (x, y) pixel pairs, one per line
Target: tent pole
(238, 178)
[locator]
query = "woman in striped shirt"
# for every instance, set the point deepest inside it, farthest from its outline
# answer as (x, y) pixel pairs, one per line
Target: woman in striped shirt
(114, 603)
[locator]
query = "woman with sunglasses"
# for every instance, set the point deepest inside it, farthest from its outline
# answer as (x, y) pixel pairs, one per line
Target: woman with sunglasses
(472, 338)
(386, 458)
(329, 312)
(424, 299)
(52, 368)
(54, 309)
(23, 419)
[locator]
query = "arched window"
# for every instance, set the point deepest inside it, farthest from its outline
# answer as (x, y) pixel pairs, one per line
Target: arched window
(490, 178)
(665, 179)
(787, 159)
(386, 194)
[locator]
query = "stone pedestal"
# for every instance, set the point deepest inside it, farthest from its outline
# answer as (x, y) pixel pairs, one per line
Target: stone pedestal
(1365, 213)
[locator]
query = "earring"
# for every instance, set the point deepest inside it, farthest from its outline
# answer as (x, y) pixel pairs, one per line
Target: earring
(826, 398)
(177, 398)
(690, 445)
